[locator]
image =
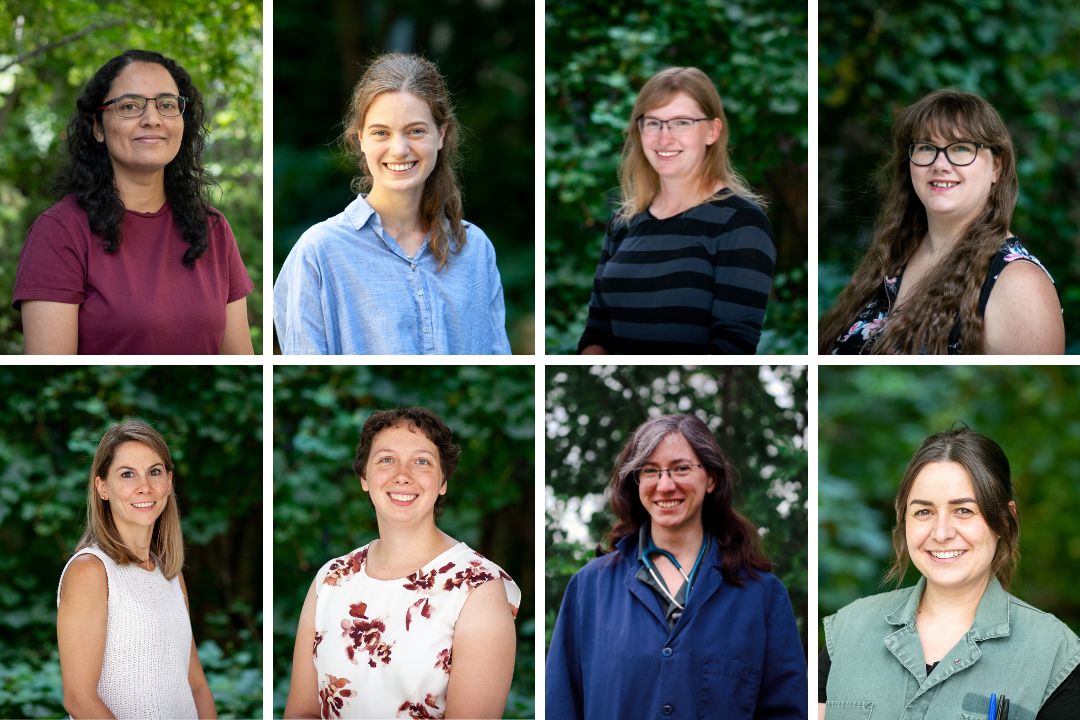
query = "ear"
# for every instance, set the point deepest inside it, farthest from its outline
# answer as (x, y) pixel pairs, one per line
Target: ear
(1012, 508)
(997, 172)
(711, 484)
(715, 126)
(99, 484)
(442, 134)
(99, 132)
(364, 484)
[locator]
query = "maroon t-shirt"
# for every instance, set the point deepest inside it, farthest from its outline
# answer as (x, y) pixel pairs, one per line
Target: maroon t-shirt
(140, 299)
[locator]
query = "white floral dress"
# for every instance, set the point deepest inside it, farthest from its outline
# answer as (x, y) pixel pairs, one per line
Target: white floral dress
(383, 648)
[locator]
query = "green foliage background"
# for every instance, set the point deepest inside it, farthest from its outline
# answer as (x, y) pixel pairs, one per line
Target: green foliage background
(320, 511)
(54, 417)
(485, 52)
(50, 48)
(875, 58)
(872, 419)
(598, 57)
(758, 414)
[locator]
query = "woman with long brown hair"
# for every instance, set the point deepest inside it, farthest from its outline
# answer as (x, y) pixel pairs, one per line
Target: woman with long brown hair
(679, 616)
(941, 274)
(399, 271)
(126, 648)
(687, 261)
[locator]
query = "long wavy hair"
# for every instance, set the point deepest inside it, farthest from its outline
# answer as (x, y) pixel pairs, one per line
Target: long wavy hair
(991, 478)
(639, 182)
(950, 291)
(167, 540)
(440, 206)
(741, 554)
(88, 173)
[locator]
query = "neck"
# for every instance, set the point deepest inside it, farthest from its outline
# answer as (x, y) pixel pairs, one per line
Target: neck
(679, 194)
(411, 545)
(683, 543)
(141, 192)
(399, 211)
(137, 539)
(957, 603)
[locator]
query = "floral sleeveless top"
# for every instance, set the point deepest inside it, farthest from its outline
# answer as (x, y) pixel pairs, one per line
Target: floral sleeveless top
(384, 648)
(864, 330)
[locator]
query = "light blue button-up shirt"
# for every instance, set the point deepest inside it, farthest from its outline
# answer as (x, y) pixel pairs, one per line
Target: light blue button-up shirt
(347, 288)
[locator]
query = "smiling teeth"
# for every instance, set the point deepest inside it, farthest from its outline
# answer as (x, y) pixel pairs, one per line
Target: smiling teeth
(668, 154)
(402, 498)
(143, 504)
(668, 504)
(400, 167)
(943, 184)
(946, 554)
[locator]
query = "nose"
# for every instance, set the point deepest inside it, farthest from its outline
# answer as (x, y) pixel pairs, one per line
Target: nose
(942, 160)
(943, 529)
(400, 145)
(147, 118)
(665, 483)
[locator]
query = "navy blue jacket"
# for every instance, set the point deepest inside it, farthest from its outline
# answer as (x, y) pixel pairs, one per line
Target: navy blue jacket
(735, 652)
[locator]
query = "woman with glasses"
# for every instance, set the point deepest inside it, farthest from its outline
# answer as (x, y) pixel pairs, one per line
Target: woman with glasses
(679, 616)
(955, 644)
(941, 274)
(133, 259)
(399, 271)
(126, 648)
(413, 624)
(687, 261)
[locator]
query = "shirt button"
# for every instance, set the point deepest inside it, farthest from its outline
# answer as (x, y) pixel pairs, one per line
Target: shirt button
(667, 709)
(666, 652)
(413, 267)
(420, 293)
(425, 329)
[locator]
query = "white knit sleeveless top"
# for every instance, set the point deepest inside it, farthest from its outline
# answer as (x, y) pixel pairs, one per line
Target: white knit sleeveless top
(144, 672)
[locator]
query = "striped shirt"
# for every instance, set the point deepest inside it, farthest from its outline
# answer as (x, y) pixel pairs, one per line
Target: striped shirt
(694, 283)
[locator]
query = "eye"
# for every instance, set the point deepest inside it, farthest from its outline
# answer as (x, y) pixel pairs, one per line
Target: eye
(682, 469)
(423, 461)
(652, 124)
(127, 474)
(155, 472)
(379, 133)
(384, 460)
(681, 123)
(166, 104)
(967, 512)
(924, 147)
(129, 106)
(921, 513)
(418, 132)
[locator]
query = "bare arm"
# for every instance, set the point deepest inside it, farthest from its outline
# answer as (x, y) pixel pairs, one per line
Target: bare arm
(482, 664)
(200, 689)
(50, 328)
(237, 338)
(1023, 315)
(595, 350)
(303, 699)
(821, 711)
(80, 633)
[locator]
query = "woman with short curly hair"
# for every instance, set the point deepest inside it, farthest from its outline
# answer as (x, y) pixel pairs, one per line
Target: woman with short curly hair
(134, 259)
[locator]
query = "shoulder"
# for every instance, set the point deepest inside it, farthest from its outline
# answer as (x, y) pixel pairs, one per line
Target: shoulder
(67, 210)
(485, 573)
(1046, 623)
(84, 577)
(1023, 313)
(864, 613)
(336, 233)
(336, 570)
(602, 569)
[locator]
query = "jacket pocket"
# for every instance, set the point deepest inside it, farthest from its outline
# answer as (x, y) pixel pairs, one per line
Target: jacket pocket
(729, 689)
(848, 710)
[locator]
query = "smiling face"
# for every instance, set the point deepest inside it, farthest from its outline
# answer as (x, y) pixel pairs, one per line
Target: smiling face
(947, 536)
(955, 193)
(403, 475)
(146, 143)
(137, 487)
(400, 141)
(679, 157)
(674, 503)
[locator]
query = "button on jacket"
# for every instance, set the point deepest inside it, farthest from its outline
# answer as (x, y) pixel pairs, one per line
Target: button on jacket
(735, 652)
(347, 288)
(878, 669)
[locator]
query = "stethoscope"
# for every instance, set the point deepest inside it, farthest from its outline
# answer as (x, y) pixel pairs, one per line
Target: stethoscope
(652, 549)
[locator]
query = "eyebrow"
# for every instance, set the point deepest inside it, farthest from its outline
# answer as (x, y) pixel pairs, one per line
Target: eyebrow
(958, 501)
(394, 450)
(408, 124)
(129, 467)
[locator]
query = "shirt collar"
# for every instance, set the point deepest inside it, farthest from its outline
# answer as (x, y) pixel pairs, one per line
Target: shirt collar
(991, 617)
(359, 213)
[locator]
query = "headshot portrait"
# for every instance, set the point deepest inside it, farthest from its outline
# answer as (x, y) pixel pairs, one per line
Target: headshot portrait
(946, 589)
(403, 542)
(403, 193)
(688, 605)
(675, 181)
(945, 218)
(125, 565)
(128, 231)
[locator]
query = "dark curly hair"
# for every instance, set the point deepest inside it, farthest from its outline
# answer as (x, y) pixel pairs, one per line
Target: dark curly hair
(741, 554)
(414, 418)
(88, 173)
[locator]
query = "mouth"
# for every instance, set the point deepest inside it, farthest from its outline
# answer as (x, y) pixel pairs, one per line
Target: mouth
(669, 504)
(151, 139)
(400, 167)
(144, 505)
(943, 185)
(402, 499)
(666, 155)
(946, 554)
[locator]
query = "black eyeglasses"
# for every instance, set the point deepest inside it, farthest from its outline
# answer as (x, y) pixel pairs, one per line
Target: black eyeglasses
(957, 153)
(132, 106)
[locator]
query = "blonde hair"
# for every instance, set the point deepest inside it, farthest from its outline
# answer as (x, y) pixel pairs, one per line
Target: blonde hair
(638, 180)
(440, 206)
(167, 541)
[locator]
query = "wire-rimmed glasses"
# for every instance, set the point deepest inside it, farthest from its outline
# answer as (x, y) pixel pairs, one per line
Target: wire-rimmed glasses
(650, 126)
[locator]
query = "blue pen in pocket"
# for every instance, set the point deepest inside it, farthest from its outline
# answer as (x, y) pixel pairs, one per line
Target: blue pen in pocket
(993, 707)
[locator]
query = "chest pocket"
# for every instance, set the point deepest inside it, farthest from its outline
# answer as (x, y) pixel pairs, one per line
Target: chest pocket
(848, 710)
(729, 689)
